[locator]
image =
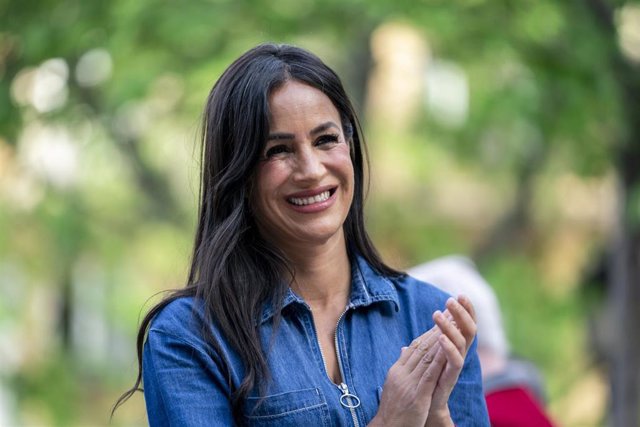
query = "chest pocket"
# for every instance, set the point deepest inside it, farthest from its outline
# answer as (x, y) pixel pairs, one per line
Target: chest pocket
(293, 408)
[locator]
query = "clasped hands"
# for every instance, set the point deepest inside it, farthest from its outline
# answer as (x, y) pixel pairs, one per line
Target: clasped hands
(418, 385)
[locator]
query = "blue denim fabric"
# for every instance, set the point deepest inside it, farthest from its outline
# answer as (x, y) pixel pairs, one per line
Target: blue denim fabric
(188, 383)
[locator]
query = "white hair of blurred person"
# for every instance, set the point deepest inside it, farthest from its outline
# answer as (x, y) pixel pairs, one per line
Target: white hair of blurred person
(457, 275)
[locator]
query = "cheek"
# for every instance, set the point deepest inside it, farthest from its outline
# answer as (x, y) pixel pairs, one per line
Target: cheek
(268, 179)
(343, 163)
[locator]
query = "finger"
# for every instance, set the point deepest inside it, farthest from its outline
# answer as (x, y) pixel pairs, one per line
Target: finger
(451, 331)
(454, 364)
(423, 353)
(455, 359)
(463, 319)
(425, 350)
(449, 316)
(450, 372)
(431, 375)
(416, 343)
(405, 352)
(466, 303)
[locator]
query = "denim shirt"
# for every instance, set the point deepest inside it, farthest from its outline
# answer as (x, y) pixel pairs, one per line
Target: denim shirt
(188, 383)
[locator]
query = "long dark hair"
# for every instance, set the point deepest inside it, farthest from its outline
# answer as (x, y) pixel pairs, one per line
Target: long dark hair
(234, 270)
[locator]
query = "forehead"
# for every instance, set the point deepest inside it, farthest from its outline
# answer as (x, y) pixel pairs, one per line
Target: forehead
(297, 105)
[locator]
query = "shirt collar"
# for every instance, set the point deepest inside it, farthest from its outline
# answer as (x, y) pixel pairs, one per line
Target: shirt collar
(367, 287)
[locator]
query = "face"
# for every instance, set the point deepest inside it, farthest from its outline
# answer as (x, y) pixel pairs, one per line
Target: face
(304, 181)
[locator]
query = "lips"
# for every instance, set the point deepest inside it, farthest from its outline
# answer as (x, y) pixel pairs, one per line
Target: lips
(303, 201)
(311, 197)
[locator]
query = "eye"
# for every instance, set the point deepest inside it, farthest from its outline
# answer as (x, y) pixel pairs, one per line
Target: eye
(275, 150)
(327, 139)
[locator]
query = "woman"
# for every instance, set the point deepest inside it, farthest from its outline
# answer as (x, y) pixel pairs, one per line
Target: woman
(289, 316)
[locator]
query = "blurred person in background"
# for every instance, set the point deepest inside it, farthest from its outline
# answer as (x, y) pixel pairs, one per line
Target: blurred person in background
(289, 316)
(513, 387)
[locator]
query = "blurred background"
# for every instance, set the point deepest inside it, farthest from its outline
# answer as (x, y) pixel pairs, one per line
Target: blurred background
(504, 130)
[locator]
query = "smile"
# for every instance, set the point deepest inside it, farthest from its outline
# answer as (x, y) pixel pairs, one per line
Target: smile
(304, 201)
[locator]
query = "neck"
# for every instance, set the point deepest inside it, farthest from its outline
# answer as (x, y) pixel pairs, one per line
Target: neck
(322, 273)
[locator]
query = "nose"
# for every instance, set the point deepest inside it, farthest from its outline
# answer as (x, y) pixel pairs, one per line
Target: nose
(309, 166)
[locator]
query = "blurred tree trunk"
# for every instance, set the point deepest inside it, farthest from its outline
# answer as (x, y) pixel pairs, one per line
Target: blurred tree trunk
(624, 295)
(624, 281)
(512, 229)
(360, 63)
(624, 278)
(66, 307)
(163, 203)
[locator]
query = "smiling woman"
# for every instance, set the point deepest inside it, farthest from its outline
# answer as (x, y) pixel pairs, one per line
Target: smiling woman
(303, 186)
(289, 316)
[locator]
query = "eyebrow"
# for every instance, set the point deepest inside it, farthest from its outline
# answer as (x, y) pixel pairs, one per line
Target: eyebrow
(323, 127)
(318, 129)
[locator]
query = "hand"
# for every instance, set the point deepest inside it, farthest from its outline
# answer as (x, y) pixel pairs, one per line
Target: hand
(411, 381)
(458, 327)
(418, 385)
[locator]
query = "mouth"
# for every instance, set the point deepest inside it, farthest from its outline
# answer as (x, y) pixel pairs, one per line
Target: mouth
(311, 199)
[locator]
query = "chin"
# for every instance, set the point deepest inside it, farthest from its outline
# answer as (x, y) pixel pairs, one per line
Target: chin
(321, 235)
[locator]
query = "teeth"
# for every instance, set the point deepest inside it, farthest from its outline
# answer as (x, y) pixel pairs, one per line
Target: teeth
(303, 201)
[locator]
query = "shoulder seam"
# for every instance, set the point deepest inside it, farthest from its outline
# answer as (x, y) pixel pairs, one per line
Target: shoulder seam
(181, 339)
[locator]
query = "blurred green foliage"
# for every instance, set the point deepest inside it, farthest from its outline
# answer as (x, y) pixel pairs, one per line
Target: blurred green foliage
(80, 256)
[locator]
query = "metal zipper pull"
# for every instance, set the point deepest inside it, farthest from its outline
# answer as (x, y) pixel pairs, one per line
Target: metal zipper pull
(347, 398)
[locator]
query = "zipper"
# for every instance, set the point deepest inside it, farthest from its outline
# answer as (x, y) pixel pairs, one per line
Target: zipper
(346, 395)
(352, 402)
(347, 399)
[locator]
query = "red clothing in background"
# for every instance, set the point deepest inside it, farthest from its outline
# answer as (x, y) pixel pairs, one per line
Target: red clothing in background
(515, 407)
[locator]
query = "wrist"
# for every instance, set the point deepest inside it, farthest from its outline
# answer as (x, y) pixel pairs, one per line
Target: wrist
(376, 422)
(440, 418)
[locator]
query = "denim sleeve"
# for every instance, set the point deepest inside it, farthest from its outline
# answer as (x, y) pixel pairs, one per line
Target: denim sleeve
(467, 403)
(183, 386)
